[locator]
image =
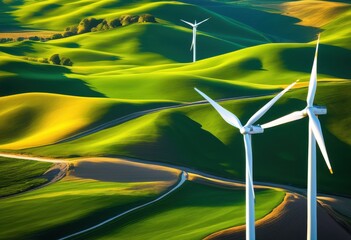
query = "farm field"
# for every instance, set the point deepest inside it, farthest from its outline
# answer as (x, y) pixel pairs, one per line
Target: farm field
(99, 116)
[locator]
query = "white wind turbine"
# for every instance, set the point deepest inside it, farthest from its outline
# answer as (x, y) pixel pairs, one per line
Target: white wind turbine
(193, 43)
(314, 133)
(247, 130)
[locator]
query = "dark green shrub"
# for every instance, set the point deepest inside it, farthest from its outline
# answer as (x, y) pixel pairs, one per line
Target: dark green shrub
(4, 40)
(68, 34)
(20, 39)
(113, 23)
(87, 24)
(128, 19)
(43, 60)
(57, 36)
(34, 38)
(66, 61)
(101, 26)
(73, 29)
(55, 59)
(134, 19)
(146, 18)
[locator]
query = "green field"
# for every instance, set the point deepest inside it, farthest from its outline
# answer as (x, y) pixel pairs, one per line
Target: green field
(19, 175)
(194, 212)
(249, 50)
(70, 206)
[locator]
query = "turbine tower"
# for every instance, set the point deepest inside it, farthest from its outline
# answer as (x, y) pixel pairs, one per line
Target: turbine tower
(314, 134)
(193, 43)
(247, 130)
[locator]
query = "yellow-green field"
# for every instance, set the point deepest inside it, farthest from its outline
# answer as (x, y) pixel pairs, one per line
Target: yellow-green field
(130, 93)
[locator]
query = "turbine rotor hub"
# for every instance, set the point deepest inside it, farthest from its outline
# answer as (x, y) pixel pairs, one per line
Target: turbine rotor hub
(253, 129)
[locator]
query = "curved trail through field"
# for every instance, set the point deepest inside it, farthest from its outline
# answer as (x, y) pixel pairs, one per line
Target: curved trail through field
(182, 180)
(55, 173)
(287, 221)
(135, 115)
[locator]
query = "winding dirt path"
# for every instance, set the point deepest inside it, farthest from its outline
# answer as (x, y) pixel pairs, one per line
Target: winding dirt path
(183, 178)
(58, 171)
(287, 221)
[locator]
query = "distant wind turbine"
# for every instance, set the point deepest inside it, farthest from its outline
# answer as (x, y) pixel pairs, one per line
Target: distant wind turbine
(247, 130)
(314, 133)
(193, 43)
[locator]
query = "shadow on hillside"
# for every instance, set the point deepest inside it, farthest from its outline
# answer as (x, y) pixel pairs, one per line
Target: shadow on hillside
(332, 60)
(275, 26)
(175, 44)
(7, 21)
(29, 77)
(182, 141)
(19, 48)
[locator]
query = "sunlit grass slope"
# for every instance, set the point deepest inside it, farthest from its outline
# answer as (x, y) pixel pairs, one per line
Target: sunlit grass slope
(246, 72)
(70, 206)
(142, 62)
(96, 73)
(168, 136)
(20, 175)
(166, 11)
(193, 212)
(35, 119)
(256, 17)
(337, 32)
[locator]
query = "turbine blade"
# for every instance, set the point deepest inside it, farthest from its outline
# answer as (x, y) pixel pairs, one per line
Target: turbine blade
(202, 22)
(191, 24)
(313, 79)
(287, 118)
(225, 114)
(268, 105)
(317, 132)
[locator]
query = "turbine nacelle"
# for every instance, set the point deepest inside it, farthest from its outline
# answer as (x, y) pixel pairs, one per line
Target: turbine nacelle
(253, 129)
(319, 110)
(316, 110)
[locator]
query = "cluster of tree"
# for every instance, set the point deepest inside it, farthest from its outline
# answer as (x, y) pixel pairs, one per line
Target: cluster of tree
(20, 39)
(93, 25)
(5, 40)
(40, 60)
(54, 59)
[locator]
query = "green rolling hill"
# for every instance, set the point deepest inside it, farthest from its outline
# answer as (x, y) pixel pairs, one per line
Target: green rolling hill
(249, 49)
(147, 62)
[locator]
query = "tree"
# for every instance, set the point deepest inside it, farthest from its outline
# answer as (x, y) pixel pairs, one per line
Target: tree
(57, 36)
(68, 34)
(73, 29)
(66, 61)
(87, 24)
(128, 19)
(34, 38)
(114, 23)
(146, 18)
(55, 59)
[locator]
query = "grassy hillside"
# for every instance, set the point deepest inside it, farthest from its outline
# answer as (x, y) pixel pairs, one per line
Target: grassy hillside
(247, 48)
(20, 175)
(168, 136)
(36, 119)
(70, 206)
(194, 212)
